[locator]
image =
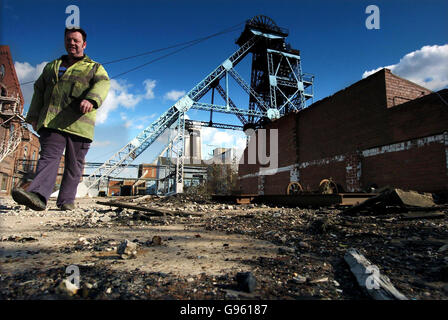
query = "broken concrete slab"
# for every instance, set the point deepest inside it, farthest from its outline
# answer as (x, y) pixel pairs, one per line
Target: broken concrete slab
(413, 198)
(390, 198)
(376, 285)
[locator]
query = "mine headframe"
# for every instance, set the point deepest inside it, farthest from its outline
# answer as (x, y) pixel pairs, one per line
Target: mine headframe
(277, 87)
(276, 74)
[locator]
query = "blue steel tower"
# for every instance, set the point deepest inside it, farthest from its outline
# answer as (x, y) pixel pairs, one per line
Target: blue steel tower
(277, 86)
(276, 74)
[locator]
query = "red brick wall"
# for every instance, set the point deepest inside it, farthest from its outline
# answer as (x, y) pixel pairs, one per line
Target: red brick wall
(8, 167)
(311, 176)
(276, 184)
(287, 149)
(349, 120)
(248, 185)
(10, 81)
(287, 139)
(399, 90)
(357, 118)
(150, 169)
(418, 118)
(420, 169)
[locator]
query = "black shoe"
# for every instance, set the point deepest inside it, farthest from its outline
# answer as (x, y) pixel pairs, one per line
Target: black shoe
(67, 207)
(30, 199)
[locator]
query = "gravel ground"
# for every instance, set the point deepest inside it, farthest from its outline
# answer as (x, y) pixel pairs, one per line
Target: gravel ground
(291, 253)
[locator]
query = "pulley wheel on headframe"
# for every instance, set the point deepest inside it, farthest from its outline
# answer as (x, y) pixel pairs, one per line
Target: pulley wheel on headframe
(264, 22)
(328, 186)
(294, 188)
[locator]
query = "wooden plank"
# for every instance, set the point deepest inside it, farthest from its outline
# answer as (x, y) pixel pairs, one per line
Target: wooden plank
(152, 210)
(145, 197)
(377, 285)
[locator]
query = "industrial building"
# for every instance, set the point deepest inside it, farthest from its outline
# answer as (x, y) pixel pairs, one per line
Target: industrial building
(381, 131)
(19, 146)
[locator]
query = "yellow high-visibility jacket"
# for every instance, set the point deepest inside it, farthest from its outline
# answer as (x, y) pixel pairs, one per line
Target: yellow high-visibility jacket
(55, 103)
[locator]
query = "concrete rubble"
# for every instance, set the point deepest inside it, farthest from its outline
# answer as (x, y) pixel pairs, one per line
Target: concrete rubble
(182, 247)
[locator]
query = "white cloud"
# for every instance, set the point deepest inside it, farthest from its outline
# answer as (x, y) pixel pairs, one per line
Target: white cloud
(149, 87)
(427, 67)
(215, 138)
(96, 143)
(119, 95)
(26, 72)
(174, 95)
(136, 122)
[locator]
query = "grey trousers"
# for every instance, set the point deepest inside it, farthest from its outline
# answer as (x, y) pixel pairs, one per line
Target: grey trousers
(52, 144)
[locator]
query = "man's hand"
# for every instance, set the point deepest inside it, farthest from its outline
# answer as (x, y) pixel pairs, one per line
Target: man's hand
(85, 106)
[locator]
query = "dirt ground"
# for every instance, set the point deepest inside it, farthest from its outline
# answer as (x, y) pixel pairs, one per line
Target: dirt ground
(292, 253)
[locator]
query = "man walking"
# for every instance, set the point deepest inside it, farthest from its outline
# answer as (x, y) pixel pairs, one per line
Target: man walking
(63, 112)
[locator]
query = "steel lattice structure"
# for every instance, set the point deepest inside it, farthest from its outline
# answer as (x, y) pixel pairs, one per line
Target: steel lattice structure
(277, 87)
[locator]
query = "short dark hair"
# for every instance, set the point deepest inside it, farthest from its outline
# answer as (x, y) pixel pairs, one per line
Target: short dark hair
(77, 29)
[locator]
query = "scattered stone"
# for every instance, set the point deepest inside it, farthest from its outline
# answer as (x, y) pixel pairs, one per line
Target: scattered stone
(444, 273)
(286, 250)
(127, 249)
(83, 241)
(15, 238)
(304, 245)
(156, 240)
(93, 219)
(105, 219)
(67, 288)
(299, 279)
(445, 288)
(246, 281)
(320, 280)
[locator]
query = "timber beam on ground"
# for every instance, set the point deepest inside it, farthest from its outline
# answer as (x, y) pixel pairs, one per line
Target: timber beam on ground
(300, 200)
(149, 211)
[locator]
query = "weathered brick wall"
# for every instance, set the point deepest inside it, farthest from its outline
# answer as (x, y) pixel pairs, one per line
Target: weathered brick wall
(349, 120)
(418, 118)
(311, 176)
(420, 169)
(10, 81)
(276, 184)
(248, 185)
(328, 139)
(399, 90)
(353, 172)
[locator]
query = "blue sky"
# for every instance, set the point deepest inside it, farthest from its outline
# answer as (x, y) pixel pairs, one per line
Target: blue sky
(334, 42)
